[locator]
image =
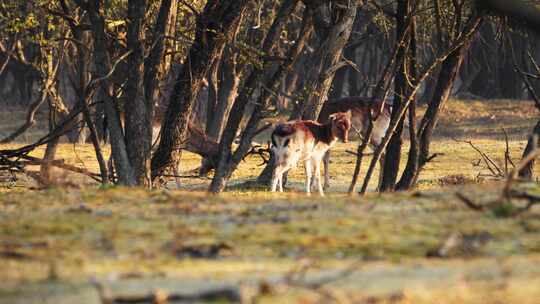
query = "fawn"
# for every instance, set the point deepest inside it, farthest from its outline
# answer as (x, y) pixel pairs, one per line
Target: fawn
(307, 141)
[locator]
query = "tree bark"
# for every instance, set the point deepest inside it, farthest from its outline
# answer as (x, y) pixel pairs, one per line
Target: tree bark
(408, 176)
(105, 93)
(218, 20)
(154, 66)
(402, 88)
(333, 34)
(527, 171)
(137, 109)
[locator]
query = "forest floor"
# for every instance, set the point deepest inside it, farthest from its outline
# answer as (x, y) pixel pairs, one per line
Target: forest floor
(76, 244)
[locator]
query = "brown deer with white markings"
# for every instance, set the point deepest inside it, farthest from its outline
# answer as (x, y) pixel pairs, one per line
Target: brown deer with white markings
(307, 141)
(360, 108)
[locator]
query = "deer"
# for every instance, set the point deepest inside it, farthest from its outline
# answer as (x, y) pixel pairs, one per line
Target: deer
(360, 108)
(307, 141)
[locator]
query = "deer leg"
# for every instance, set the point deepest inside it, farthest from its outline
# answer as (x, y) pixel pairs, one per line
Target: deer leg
(281, 176)
(381, 172)
(314, 176)
(110, 164)
(277, 179)
(326, 160)
(176, 173)
(308, 167)
(318, 176)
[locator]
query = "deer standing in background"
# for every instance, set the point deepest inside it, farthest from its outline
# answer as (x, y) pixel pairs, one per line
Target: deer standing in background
(360, 107)
(307, 141)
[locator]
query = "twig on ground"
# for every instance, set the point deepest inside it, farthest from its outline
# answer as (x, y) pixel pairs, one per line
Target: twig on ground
(261, 151)
(507, 158)
(353, 153)
(490, 164)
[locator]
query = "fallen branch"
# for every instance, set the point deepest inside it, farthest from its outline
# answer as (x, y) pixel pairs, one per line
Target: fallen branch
(60, 164)
(508, 193)
(469, 203)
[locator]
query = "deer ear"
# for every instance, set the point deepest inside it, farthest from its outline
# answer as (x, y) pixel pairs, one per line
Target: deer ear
(332, 117)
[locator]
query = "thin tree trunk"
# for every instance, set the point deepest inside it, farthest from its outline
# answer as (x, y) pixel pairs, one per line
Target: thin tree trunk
(82, 91)
(227, 92)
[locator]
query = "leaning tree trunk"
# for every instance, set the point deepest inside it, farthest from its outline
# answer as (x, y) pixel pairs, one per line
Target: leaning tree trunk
(219, 19)
(448, 73)
(227, 163)
(407, 178)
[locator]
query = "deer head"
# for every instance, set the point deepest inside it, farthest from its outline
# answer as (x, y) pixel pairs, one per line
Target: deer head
(341, 123)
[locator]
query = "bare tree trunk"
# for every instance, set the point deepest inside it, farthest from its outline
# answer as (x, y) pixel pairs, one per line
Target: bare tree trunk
(225, 95)
(333, 34)
(527, 172)
(155, 65)
(219, 19)
(449, 71)
(464, 38)
(407, 179)
(227, 91)
(137, 109)
(393, 152)
(59, 110)
(103, 67)
(419, 157)
(82, 90)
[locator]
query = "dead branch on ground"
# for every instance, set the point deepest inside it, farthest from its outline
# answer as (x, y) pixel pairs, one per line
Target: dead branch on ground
(503, 205)
(491, 165)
